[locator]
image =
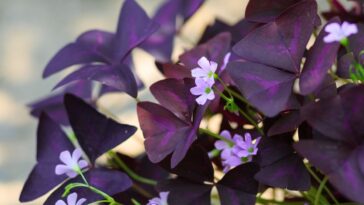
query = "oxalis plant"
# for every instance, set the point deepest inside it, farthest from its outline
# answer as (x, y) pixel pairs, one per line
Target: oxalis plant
(286, 85)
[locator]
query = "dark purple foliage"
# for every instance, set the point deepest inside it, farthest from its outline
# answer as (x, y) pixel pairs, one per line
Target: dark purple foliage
(50, 142)
(95, 133)
(160, 44)
(338, 150)
(166, 131)
(280, 166)
(195, 181)
(273, 55)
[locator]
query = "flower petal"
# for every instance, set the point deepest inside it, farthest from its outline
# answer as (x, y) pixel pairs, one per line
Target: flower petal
(72, 199)
(204, 63)
(61, 169)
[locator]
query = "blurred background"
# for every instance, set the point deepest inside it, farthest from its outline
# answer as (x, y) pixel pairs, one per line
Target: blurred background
(30, 34)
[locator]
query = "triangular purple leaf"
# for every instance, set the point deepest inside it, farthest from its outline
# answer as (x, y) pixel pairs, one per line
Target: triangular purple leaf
(119, 77)
(130, 35)
(267, 88)
(281, 43)
(51, 141)
(175, 95)
(95, 132)
(238, 186)
(319, 60)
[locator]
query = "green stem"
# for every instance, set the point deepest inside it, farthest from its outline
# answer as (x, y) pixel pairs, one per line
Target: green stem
(327, 190)
(252, 121)
(130, 172)
(319, 190)
(94, 189)
(237, 95)
(208, 132)
(135, 202)
(214, 153)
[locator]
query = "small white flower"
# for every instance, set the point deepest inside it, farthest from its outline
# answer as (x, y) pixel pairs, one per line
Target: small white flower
(206, 70)
(71, 200)
(337, 32)
(161, 200)
(204, 90)
(73, 164)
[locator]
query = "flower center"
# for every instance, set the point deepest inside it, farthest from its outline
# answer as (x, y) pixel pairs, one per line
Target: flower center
(208, 90)
(210, 74)
(245, 159)
(251, 150)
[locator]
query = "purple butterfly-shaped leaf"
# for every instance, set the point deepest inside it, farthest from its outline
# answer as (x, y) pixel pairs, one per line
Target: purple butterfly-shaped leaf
(160, 44)
(280, 166)
(238, 186)
(265, 87)
(338, 149)
(281, 43)
(51, 141)
(118, 76)
(175, 95)
(95, 132)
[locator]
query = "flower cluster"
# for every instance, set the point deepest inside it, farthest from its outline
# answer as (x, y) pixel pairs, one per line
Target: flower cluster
(236, 150)
(204, 80)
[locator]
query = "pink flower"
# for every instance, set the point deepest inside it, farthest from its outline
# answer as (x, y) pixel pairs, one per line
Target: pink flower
(71, 200)
(206, 71)
(229, 159)
(246, 147)
(204, 90)
(73, 164)
(161, 200)
(338, 33)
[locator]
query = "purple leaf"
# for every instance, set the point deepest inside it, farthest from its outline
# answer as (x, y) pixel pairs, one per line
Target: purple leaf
(288, 173)
(281, 43)
(91, 46)
(267, 88)
(51, 141)
(320, 58)
(215, 50)
(286, 123)
(338, 152)
(162, 130)
(160, 44)
(95, 132)
(263, 11)
(183, 192)
(238, 186)
(176, 71)
(175, 95)
(195, 167)
(119, 77)
(237, 31)
(280, 166)
(109, 181)
(128, 35)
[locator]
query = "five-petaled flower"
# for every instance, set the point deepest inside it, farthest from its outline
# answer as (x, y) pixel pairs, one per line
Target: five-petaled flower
(206, 71)
(245, 148)
(71, 200)
(204, 90)
(338, 33)
(161, 200)
(73, 164)
(228, 158)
